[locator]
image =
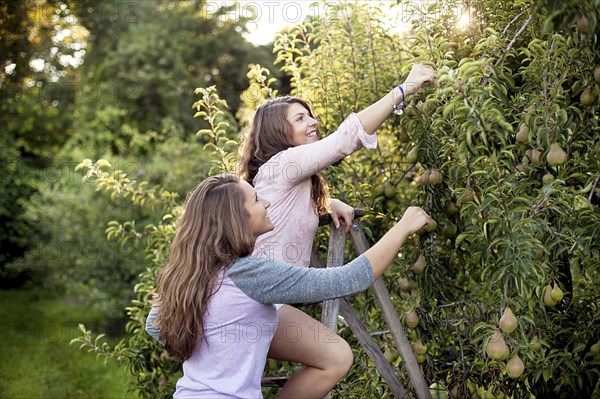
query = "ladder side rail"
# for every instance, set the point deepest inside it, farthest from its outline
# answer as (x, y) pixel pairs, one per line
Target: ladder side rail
(372, 350)
(393, 321)
(335, 258)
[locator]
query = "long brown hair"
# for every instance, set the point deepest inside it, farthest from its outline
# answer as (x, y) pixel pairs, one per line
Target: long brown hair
(213, 232)
(269, 134)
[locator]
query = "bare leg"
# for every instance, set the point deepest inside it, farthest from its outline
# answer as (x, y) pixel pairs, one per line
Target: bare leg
(325, 355)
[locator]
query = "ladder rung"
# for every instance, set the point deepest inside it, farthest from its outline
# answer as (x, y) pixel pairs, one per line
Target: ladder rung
(324, 220)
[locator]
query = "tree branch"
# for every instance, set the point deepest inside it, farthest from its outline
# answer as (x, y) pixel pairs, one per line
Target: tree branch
(593, 190)
(510, 23)
(509, 47)
(514, 39)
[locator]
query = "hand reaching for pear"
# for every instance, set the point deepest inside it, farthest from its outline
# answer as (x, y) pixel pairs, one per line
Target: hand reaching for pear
(418, 75)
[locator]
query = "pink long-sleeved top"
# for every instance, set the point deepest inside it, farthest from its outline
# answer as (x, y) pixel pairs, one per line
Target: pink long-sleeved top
(284, 181)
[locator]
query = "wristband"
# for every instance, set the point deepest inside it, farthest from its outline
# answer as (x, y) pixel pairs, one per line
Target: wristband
(398, 105)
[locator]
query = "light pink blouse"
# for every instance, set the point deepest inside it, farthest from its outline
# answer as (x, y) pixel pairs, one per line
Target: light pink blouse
(284, 181)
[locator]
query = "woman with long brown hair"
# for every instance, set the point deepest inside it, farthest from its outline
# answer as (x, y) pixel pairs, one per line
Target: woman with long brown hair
(215, 301)
(282, 156)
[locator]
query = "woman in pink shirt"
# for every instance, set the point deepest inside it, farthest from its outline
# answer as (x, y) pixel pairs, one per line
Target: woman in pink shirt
(282, 157)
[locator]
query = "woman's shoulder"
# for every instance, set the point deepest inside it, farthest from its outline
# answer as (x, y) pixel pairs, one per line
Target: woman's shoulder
(282, 169)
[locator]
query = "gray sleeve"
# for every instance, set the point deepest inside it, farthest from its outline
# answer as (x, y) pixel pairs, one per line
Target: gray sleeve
(151, 328)
(277, 282)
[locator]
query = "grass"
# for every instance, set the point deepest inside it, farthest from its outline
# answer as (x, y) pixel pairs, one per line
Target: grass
(36, 360)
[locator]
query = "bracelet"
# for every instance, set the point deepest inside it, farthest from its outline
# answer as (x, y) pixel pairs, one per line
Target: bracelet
(398, 105)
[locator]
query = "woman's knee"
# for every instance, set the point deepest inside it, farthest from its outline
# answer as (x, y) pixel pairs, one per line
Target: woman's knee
(339, 357)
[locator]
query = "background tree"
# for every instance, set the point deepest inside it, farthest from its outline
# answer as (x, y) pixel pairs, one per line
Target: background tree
(36, 81)
(144, 61)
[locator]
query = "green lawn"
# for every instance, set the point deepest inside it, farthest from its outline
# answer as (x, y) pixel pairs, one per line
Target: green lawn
(36, 360)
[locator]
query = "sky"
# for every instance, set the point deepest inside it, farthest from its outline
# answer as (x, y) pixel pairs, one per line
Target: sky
(271, 16)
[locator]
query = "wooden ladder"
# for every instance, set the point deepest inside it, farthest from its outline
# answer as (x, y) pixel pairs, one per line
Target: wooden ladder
(333, 307)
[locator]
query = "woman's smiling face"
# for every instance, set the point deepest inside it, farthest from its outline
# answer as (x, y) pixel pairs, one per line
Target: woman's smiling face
(256, 209)
(304, 127)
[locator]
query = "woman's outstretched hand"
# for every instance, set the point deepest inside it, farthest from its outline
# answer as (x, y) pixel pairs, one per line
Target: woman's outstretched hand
(385, 250)
(419, 74)
(414, 219)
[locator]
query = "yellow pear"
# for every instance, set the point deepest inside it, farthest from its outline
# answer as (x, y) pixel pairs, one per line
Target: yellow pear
(539, 253)
(556, 156)
(595, 349)
(515, 367)
(389, 355)
(597, 74)
(419, 266)
(467, 196)
(488, 394)
(496, 348)
(508, 321)
(454, 392)
(403, 135)
(548, 300)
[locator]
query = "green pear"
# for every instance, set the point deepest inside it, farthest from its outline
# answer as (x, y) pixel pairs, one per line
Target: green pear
(413, 155)
(583, 24)
(419, 348)
(535, 343)
(556, 156)
(548, 300)
(411, 319)
(588, 97)
(515, 367)
(496, 347)
(522, 134)
(556, 293)
(435, 177)
(548, 178)
(419, 266)
(508, 321)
